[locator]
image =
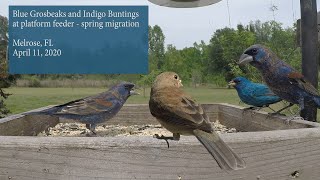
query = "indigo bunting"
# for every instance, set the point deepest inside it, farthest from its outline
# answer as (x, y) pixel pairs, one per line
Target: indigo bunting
(93, 110)
(281, 78)
(180, 114)
(254, 94)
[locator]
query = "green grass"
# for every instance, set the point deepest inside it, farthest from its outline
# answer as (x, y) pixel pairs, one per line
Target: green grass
(201, 94)
(24, 99)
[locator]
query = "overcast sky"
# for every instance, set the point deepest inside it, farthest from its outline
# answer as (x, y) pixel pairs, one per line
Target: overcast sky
(183, 27)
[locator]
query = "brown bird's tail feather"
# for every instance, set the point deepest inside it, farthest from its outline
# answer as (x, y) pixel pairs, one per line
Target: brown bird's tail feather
(221, 152)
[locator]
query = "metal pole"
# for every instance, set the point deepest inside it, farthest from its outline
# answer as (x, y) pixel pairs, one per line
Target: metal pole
(309, 38)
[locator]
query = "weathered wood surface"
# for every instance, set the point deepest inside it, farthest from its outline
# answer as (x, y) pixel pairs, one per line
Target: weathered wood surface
(268, 154)
(251, 120)
(272, 155)
(298, 31)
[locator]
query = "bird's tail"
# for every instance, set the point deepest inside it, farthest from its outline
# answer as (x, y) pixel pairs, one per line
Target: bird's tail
(49, 111)
(52, 110)
(221, 152)
(316, 99)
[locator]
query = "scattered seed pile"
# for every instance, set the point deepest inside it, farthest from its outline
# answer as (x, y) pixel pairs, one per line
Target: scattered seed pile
(78, 130)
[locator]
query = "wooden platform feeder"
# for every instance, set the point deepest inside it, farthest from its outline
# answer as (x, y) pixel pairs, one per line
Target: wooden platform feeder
(272, 146)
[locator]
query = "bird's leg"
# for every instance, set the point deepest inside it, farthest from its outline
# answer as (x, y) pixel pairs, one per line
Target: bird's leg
(271, 108)
(301, 104)
(92, 128)
(85, 131)
(296, 116)
(278, 112)
(47, 131)
(163, 137)
(175, 136)
(88, 126)
(250, 108)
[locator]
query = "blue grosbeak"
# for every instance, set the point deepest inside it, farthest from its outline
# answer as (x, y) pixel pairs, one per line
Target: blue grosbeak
(180, 114)
(282, 79)
(254, 94)
(94, 109)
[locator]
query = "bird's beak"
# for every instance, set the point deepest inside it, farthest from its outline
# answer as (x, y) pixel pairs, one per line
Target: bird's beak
(232, 83)
(132, 92)
(180, 83)
(245, 58)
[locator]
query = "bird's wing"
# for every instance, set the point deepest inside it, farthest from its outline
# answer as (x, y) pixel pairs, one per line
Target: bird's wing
(89, 105)
(259, 90)
(298, 79)
(181, 109)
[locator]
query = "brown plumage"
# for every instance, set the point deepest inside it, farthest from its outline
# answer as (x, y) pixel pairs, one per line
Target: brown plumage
(180, 114)
(299, 79)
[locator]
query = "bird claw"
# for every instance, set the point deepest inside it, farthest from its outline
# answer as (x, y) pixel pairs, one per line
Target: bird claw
(94, 132)
(92, 129)
(163, 137)
(90, 133)
(254, 108)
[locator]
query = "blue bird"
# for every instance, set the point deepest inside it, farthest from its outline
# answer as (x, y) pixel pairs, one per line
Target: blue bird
(254, 94)
(281, 78)
(93, 110)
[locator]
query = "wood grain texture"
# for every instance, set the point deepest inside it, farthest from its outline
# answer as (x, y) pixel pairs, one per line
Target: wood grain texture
(277, 149)
(269, 155)
(251, 120)
(133, 114)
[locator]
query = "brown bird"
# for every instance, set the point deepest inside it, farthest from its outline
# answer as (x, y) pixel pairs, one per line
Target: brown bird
(180, 114)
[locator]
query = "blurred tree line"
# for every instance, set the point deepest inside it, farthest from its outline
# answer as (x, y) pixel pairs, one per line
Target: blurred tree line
(216, 62)
(5, 79)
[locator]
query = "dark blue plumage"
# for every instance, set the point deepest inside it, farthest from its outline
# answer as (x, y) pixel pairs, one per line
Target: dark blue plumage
(281, 78)
(254, 94)
(93, 110)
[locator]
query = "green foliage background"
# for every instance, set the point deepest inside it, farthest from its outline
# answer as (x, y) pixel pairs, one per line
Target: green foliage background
(215, 62)
(5, 79)
(212, 64)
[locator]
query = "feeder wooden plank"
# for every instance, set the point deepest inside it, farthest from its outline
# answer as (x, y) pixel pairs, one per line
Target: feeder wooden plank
(139, 114)
(269, 155)
(252, 120)
(134, 114)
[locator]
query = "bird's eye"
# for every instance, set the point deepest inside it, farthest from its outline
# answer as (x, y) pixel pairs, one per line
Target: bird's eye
(254, 51)
(128, 86)
(175, 76)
